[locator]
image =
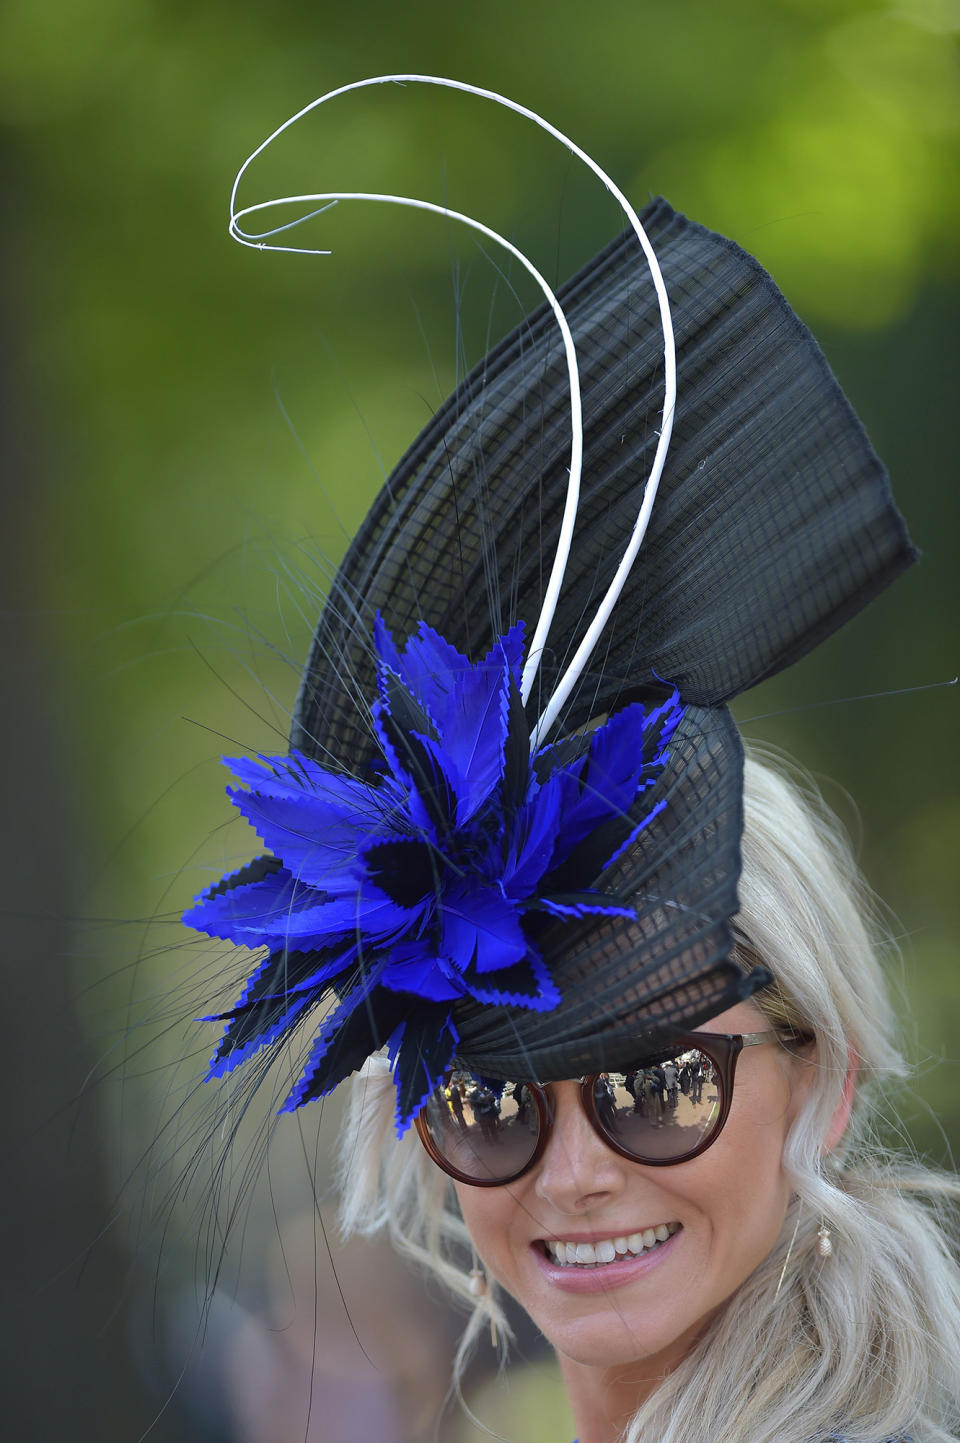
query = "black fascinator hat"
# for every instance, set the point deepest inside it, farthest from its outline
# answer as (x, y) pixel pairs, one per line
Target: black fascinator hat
(442, 880)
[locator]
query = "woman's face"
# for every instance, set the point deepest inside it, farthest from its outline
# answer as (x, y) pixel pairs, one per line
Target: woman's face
(723, 1209)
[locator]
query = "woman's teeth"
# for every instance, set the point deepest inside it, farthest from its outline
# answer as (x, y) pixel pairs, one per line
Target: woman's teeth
(592, 1255)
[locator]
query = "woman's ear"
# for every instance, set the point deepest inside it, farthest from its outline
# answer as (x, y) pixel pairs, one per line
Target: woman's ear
(841, 1115)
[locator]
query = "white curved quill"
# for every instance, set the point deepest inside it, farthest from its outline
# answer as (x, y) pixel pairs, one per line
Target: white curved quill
(321, 201)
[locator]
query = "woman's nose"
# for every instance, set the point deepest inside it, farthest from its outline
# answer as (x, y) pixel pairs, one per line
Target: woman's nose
(577, 1170)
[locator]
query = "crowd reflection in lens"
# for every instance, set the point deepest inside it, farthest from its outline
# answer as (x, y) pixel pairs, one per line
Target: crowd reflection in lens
(662, 1110)
(659, 1110)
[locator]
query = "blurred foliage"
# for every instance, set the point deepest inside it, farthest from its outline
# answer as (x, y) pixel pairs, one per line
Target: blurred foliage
(207, 424)
(528, 1403)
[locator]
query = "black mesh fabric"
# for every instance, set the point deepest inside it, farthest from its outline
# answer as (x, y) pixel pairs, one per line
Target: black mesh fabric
(773, 525)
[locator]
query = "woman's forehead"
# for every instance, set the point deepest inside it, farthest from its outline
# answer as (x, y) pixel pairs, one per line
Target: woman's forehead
(743, 1017)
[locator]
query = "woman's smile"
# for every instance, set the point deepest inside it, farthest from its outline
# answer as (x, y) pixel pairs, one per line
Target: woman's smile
(595, 1251)
(592, 1267)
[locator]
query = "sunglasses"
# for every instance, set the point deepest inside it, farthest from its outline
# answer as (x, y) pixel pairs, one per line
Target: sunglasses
(668, 1108)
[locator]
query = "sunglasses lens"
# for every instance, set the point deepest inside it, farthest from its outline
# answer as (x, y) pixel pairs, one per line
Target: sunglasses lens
(661, 1112)
(486, 1133)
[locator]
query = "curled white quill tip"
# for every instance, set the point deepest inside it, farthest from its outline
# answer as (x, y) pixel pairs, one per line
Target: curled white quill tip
(318, 202)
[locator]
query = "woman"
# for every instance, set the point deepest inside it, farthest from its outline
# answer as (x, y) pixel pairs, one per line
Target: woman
(512, 866)
(806, 1290)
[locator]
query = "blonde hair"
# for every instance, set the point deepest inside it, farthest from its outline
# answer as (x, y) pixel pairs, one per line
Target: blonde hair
(865, 1343)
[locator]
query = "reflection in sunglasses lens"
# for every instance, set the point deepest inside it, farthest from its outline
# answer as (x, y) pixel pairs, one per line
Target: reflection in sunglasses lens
(485, 1131)
(662, 1111)
(656, 1113)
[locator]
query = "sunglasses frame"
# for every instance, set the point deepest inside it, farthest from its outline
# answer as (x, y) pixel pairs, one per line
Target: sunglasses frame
(722, 1048)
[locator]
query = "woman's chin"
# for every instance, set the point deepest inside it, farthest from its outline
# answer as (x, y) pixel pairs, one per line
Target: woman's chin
(621, 1341)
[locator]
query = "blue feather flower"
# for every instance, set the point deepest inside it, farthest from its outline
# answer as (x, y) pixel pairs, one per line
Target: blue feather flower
(433, 881)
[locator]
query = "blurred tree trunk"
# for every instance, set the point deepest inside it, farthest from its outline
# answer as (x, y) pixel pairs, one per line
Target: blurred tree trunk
(67, 1369)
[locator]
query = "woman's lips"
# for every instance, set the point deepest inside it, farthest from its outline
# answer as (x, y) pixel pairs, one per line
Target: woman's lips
(602, 1276)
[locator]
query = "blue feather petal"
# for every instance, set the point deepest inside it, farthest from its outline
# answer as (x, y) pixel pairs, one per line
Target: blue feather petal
(429, 666)
(481, 927)
(296, 777)
(470, 749)
(241, 1022)
(326, 1037)
(281, 988)
(253, 915)
(510, 648)
(369, 913)
(384, 645)
(618, 769)
(336, 959)
(425, 790)
(609, 780)
(535, 833)
(223, 1063)
(661, 724)
(423, 1054)
(280, 912)
(475, 733)
(527, 984)
(316, 841)
(599, 908)
(413, 967)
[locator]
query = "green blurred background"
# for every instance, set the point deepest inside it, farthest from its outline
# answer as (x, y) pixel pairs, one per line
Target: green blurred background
(190, 431)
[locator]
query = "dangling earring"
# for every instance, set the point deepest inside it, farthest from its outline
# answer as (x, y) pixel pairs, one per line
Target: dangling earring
(478, 1279)
(786, 1261)
(478, 1289)
(824, 1241)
